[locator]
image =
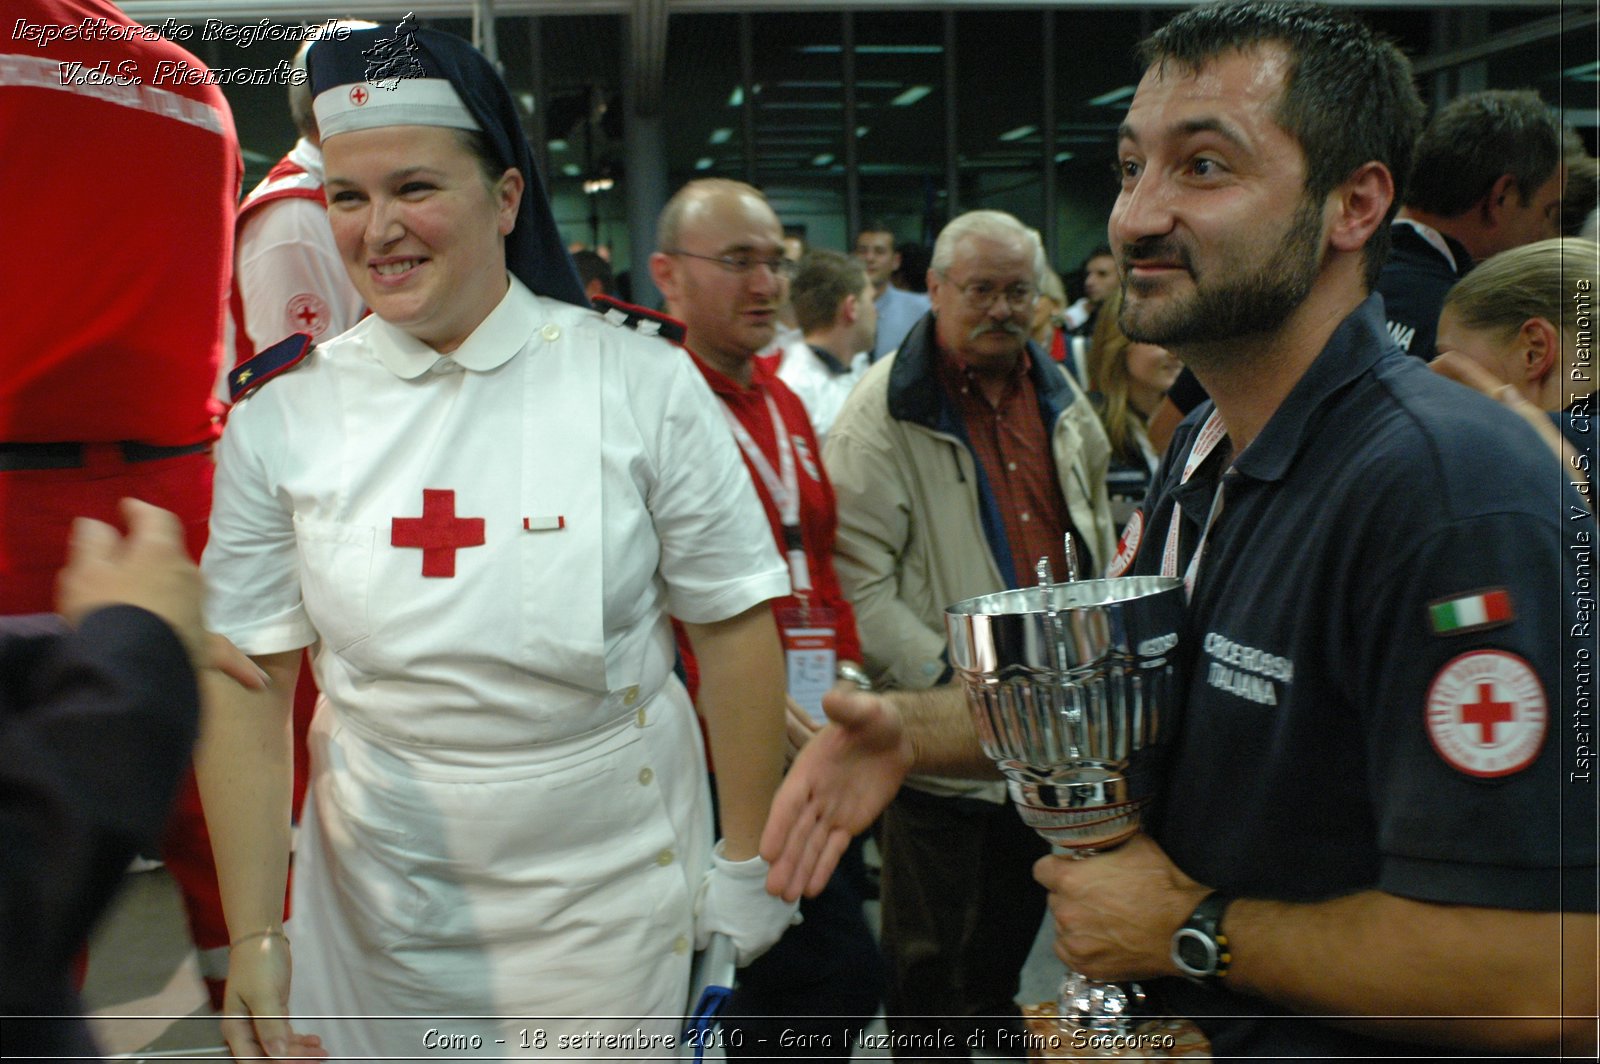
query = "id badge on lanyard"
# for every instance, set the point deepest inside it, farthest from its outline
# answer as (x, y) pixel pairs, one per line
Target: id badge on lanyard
(810, 637)
(810, 633)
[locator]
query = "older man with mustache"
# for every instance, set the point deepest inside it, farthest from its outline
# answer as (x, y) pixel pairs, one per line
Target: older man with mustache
(957, 463)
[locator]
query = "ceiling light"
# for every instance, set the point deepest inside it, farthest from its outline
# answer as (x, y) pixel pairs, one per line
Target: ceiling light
(822, 160)
(1018, 133)
(874, 49)
(1106, 98)
(861, 131)
(572, 170)
(1063, 156)
(911, 95)
(704, 163)
(721, 136)
(557, 145)
(736, 97)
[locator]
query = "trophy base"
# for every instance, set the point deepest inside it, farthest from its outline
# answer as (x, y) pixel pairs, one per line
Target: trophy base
(1155, 1039)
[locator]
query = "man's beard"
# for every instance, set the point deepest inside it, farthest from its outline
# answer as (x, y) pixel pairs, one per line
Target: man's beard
(1243, 304)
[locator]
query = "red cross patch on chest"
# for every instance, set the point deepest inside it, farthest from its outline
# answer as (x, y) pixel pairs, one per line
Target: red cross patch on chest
(1487, 713)
(438, 532)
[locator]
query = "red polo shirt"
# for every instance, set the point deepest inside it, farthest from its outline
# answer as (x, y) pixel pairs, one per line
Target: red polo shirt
(819, 516)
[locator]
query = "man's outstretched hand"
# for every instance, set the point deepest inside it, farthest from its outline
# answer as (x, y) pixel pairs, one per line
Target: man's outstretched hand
(838, 785)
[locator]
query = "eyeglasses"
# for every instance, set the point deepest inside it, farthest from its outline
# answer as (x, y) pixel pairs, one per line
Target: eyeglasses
(980, 295)
(743, 263)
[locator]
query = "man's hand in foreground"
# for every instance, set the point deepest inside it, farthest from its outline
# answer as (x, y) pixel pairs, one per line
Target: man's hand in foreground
(839, 783)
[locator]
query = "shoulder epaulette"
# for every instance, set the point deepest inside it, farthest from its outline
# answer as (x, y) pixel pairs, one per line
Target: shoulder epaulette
(641, 319)
(270, 362)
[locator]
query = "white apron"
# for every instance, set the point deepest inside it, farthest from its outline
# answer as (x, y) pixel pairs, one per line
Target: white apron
(538, 901)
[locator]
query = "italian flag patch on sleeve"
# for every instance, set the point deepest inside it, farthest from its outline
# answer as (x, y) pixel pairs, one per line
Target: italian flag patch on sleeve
(1469, 613)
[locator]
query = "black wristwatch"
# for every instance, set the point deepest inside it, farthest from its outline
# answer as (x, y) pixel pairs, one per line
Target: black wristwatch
(1199, 948)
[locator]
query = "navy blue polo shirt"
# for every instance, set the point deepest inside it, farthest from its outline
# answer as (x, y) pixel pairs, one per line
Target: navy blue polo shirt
(1413, 284)
(1381, 671)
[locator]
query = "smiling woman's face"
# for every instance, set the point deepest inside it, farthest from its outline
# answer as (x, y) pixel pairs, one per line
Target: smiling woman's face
(420, 231)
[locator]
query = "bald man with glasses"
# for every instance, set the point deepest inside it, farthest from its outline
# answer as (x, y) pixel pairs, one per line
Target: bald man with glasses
(723, 273)
(958, 462)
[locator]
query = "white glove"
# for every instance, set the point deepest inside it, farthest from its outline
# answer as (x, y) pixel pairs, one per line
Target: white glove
(733, 900)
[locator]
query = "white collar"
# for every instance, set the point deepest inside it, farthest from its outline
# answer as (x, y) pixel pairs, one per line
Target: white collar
(1433, 237)
(308, 157)
(499, 336)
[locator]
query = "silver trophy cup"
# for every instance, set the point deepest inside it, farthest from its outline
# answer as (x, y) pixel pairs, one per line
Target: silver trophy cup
(1074, 692)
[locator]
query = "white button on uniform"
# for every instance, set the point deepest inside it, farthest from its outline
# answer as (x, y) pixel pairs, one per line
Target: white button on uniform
(645, 776)
(631, 695)
(551, 332)
(664, 858)
(680, 945)
(641, 718)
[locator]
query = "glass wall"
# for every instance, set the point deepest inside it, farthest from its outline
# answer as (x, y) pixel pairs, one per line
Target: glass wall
(934, 108)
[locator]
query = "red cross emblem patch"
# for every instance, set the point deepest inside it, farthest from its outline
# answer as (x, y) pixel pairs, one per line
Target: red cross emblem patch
(1487, 713)
(358, 96)
(439, 533)
(1128, 545)
(308, 314)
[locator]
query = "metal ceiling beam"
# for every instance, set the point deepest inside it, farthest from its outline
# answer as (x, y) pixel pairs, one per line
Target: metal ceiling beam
(1047, 120)
(647, 55)
(483, 36)
(317, 10)
(1505, 41)
(852, 150)
(148, 11)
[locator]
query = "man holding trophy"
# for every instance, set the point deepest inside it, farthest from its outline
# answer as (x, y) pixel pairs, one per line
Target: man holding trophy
(1368, 836)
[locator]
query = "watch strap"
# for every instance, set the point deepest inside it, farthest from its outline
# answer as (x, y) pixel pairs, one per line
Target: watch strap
(1206, 922)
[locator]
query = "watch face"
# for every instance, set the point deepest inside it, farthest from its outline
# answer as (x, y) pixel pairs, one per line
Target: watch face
(1194, 952)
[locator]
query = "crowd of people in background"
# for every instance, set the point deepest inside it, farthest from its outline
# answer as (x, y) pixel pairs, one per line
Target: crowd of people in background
(512, 527)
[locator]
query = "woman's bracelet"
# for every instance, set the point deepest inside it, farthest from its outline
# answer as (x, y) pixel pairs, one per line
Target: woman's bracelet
(242, 939)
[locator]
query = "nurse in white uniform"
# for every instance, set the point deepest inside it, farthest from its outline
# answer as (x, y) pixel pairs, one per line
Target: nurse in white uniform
(479, 506)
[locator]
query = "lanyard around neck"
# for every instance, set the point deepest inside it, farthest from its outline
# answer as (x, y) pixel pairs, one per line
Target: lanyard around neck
(783, 485)
(1212, 433)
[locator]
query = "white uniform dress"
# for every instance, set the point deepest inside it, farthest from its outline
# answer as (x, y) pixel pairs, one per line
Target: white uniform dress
(509, 807)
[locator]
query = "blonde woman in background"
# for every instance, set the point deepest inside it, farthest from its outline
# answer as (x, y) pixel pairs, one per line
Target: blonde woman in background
(1511, 330)
(1130, 379)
